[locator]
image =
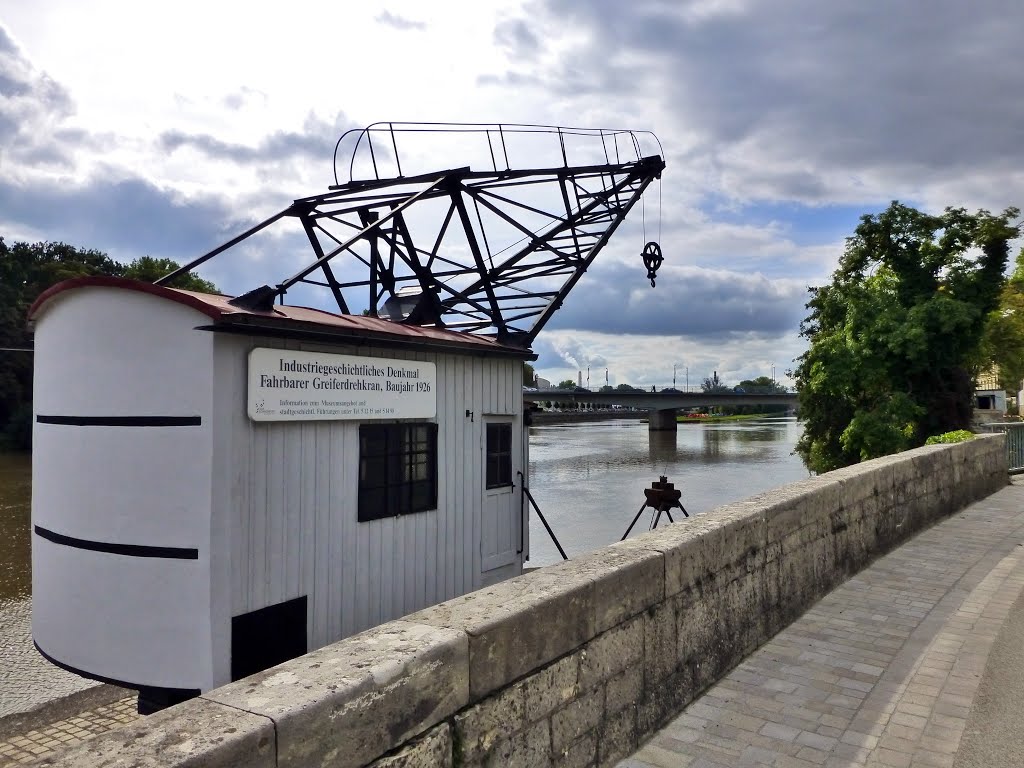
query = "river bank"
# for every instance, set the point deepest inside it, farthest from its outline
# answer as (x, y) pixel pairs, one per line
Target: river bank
(572, 417)
(730, 417)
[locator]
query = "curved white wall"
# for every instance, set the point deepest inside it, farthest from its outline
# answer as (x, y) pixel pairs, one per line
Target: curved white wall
(109, 597)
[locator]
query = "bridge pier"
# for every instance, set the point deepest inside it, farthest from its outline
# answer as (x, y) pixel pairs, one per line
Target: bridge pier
(662, 420)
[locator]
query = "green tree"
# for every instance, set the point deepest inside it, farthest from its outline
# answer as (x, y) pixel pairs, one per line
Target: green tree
(149, 270)
(26, 270)
(1004, 333)
(529, 375)
(762, 385)
(896, 337)
(713, 384)
(567, 384)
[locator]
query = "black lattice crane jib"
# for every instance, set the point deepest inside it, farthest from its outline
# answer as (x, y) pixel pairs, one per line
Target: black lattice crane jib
(492, 251)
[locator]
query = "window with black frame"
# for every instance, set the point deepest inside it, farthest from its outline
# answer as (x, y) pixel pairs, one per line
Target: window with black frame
(499, 455)
(397, 470)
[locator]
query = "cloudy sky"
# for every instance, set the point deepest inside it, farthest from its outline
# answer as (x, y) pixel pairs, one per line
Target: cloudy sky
(164, 129)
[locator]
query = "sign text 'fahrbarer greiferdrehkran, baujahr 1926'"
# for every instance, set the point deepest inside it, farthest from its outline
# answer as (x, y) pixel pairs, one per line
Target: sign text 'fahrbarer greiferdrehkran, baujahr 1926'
(287, 385)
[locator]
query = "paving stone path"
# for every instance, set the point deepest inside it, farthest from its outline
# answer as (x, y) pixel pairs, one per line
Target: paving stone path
(38, 739)
(881, 672)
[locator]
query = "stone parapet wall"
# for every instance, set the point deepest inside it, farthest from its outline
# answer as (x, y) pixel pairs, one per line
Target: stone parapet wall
(574, 664)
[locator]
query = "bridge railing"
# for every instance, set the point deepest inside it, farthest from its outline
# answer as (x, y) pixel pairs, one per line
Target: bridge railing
(1014, 432)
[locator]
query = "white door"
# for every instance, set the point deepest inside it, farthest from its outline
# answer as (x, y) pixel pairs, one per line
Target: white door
(500, 529)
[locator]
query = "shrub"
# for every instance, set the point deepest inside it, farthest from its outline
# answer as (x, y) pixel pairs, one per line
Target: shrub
(956, 436)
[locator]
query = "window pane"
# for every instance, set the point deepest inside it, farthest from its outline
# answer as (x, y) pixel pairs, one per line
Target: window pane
(423, 497)
(373, 503)
(397, 469)
(373, 440)
(373, 471)
(420, 469)
(499, 455)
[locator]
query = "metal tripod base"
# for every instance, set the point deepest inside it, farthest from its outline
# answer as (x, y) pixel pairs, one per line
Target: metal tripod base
(656, 517)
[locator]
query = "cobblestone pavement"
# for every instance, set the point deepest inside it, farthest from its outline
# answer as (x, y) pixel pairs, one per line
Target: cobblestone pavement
(881, 672)
(33, 743)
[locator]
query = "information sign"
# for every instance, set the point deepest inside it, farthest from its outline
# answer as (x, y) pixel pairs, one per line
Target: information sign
(285, 385)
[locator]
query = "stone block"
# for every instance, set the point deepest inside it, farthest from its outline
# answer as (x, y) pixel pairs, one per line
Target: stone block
(606, 655)
(575, 719)
(432, 750)
(660, 643)
(800, 505)
(738, 623)
(623, 690)
(196, 734)
(580, 754)
(351, 702)
(697, 625)
(731, 544)
(552, 687)
(497, 718)
(774, 609)
(890, 528)
(664, 701)
(688, 548)
(529, 749)
(930, 461)
(795, 585)
(859, 487)
(848, 554)
(692, 559)
(627, 580)
(519, 625)
(746, 539)
(617, 737)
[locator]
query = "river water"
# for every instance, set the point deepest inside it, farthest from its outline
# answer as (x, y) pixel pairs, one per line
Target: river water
(26, 678)
(587, 478)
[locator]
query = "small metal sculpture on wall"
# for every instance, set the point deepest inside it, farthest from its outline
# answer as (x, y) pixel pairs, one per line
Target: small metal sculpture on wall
(662, 496)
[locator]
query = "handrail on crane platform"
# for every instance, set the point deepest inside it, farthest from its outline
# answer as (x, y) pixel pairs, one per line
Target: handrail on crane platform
(492, 132)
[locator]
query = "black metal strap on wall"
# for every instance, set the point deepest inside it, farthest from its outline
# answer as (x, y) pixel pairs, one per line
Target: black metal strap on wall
(122, 421)
(130, 550)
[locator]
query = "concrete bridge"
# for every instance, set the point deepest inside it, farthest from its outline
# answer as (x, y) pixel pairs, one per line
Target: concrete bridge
(578, 664)
(662, 405)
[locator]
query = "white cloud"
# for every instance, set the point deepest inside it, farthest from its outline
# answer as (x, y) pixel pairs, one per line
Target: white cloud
(136, 128)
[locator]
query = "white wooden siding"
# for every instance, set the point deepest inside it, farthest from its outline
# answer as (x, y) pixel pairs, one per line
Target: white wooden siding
(289, 491)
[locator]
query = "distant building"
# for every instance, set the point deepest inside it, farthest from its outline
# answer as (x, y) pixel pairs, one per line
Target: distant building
(989, 397)
(543, 383)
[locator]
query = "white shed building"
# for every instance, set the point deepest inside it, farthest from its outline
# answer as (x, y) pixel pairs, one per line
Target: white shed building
(216, 490)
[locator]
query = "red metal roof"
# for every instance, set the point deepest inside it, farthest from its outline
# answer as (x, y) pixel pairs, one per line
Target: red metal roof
(286, 320)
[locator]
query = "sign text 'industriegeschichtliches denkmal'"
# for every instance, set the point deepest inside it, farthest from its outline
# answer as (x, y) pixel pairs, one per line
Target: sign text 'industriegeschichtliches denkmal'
(286, 385)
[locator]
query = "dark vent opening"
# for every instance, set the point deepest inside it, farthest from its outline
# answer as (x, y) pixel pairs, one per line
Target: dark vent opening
(266, 637)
